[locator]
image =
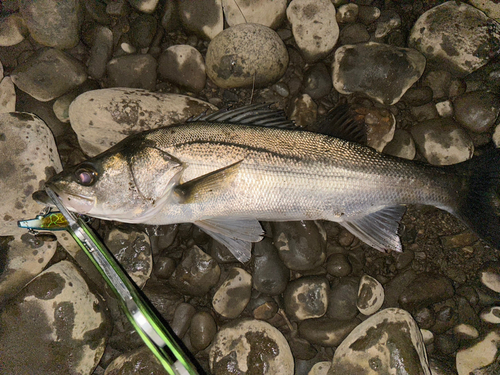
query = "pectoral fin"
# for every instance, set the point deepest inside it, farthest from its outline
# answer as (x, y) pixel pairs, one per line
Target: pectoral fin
(236, 234)
(378, 229)
(200, 188)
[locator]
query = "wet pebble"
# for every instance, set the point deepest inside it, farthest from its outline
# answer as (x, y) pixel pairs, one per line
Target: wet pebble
(439, 81)
(164, 267)
(205, 18)
(133, 250)
(325, 331)
(24, 257)
(183, 314)
(134, 363)
(490, 276)
(477, 111)
(246, 55)
(347, 13)
(370, 295)
(425, 290)
(425, 317)
(368, 14)
(317, 82)
(184, 66)
(146, 6)
(491, 315)
(142, 30)
(135, 71)
(233, 295)
(7, 95)
(100, 52)
(357, 68)
(306, 298)
(270, 275)
(380, 126)
(442, 141)
(320, 368)
(303, 111)
(445, 108)
(13, 30)
(455, 35)
(417, 96)
(54, 315)
(263, 308)
(28, 158)
(388, 21)
(249, 346)
(342, 298)
(354, 33)
(48, 74)
(366, 349)
(402, 145)
(53, 24)
(482, 354)
(269, 13)
(314, 27)
(301, 244)
(196, 274)
(94, 120)
(338, 265)
(202, 330)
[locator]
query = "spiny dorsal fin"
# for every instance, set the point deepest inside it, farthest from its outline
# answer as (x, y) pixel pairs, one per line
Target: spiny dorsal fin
(342, 122)
(378, 229)
(253, 114)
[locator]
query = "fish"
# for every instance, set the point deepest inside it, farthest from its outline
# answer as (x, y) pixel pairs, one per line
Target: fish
(227, 171)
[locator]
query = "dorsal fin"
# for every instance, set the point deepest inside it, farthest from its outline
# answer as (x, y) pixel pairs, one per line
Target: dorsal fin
(253, 114)
(344, 123)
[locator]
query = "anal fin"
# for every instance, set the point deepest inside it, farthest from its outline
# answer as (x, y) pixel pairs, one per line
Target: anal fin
(378, 229)
(236, 234)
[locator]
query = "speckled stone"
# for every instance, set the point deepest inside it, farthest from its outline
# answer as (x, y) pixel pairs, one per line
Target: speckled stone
(196, 274)
(248, 346)
(442, 141)
(55, 316)
(246, 55)
(306, 298)
(233, 295)
(367, 67)
(366, 351)
(456, 36)
(314, 27)
(102, 118)
(370, 295)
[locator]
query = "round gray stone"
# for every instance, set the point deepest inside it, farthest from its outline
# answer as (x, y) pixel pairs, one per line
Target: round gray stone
(477, 111)
(246, 55)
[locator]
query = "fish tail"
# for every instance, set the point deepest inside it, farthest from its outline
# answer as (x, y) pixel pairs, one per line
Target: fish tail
(479, 205)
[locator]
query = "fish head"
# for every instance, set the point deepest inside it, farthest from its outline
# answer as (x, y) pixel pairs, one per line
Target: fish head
(129, 182)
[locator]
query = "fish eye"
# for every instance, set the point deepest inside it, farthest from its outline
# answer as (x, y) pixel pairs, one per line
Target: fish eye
(85, 176)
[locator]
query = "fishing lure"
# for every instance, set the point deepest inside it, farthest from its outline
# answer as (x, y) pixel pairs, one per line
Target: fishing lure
(138, 310)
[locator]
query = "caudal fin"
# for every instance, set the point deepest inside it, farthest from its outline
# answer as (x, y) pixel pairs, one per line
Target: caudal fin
(480, 206)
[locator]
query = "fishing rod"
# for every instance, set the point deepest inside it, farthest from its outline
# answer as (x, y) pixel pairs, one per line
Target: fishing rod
(146, 322)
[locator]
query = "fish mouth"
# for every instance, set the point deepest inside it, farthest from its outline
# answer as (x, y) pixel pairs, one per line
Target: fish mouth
(73, 202)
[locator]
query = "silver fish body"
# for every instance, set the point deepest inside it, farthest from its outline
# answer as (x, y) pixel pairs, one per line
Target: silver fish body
(225, 177)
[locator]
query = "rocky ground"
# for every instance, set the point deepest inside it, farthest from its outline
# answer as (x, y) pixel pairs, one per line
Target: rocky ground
(423, 77)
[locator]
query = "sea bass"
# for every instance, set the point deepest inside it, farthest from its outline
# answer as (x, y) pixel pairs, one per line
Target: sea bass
(226, 171)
